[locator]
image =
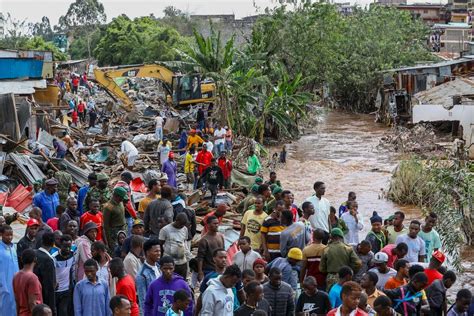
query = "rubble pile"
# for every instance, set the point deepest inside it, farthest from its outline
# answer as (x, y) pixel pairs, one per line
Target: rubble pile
(28, 158)
(420, 139)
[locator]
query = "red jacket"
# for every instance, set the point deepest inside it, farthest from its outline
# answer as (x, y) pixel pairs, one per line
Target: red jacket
(226, 166)
(204, 157)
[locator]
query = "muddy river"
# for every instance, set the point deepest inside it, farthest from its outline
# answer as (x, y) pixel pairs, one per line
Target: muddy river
(341, 150)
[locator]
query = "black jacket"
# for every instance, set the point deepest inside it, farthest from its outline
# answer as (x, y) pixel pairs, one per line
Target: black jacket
(23, 244)
(213, 175)
(46, 273)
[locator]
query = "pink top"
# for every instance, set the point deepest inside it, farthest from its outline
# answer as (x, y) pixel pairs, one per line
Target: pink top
(83, 253)
(391, 258)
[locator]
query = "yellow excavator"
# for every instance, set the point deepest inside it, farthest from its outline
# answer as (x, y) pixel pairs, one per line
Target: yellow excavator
(181, 89)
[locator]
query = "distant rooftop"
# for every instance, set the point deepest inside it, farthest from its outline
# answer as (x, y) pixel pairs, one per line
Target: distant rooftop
(424, 5)
(452, 25)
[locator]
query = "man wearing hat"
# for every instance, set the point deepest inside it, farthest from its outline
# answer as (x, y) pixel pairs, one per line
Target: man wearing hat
(138, 229)
(100, 192)
(29, 240)
(114, 216)
(130, 213)
(81, 195)
(288, 266)
(336, 255)
(381, 269)
(226, 166)
(170, 168)
(48, 199)
(375, 236)
(84, 245)
(437, 259)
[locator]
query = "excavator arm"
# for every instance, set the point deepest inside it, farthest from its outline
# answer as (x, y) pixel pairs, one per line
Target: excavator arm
(106, 78)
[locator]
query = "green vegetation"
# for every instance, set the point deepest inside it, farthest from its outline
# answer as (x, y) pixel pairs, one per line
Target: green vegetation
(443, 187)
(142, 40)
(344, 53)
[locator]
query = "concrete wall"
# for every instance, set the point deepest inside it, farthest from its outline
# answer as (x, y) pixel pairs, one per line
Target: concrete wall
(228, 27)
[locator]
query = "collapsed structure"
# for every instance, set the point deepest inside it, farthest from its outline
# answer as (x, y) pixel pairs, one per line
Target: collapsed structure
(34, 111)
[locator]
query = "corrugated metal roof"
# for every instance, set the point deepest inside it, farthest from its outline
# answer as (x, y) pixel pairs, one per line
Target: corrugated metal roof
(21, 87)
(443, 94)
(434, 65)
(27, 167)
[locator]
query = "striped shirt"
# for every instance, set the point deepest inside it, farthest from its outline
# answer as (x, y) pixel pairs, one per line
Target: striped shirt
(312, 255)
(272, 228)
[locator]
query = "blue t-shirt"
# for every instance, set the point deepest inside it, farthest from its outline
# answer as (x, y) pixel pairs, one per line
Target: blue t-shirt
(235, 289)
(335, 295)
(47, 203)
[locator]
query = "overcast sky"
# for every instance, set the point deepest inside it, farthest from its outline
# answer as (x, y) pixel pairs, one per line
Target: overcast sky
(34, 10)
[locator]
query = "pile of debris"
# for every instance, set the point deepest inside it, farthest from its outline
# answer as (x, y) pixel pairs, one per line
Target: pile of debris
(420, 139)
(27, 152)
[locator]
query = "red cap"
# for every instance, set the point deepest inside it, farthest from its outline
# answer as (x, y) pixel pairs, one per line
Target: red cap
(259, 261)
(438, 255)
(193, 130)
(171, 154)
(32, 222)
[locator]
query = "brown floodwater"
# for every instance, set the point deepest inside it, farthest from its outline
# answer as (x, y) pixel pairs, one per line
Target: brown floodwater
(342, 151)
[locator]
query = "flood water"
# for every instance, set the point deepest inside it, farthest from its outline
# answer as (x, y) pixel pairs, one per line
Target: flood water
(341, 150)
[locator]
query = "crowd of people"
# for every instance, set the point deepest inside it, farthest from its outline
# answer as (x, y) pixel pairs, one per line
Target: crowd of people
(95, 251)
(97, 255)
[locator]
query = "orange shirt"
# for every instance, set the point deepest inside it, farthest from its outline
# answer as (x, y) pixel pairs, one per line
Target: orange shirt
(96, 218)
(393, 283)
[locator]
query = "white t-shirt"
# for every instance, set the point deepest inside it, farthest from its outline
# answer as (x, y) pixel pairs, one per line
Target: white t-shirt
(320, 218)
(128, 148)
(416, 247)
(219, 133)
(159, 121)
(210, 146)
(176, 245)
(383, 277)
(245, 261)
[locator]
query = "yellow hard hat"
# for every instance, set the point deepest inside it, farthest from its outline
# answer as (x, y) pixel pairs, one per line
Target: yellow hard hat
(295, 253)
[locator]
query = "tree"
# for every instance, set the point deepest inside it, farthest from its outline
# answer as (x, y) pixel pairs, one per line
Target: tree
(142, 40)
(171, 12)
(83, 13)
(38, 43)
(178, 20)
(17, 32)
(43, 29)
(255, 101)
(345, 54)
(79, 47)
(82, 19)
